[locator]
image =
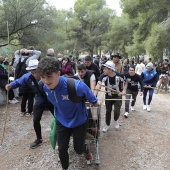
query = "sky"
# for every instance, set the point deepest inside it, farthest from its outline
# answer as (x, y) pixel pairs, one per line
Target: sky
(67, 4)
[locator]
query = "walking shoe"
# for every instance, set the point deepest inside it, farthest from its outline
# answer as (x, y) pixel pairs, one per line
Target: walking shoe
(144, 107)
(22, 114)
(105, 128)
(148, 108)
(16, 100)
(28, 114)
(12, 101)
(116, 123)
(36, 143)
(132, 108)
(126, 114)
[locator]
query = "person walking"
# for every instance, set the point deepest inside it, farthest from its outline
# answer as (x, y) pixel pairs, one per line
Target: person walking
(41, 103)
(140, 67)
(71, 120)
(4, 80)
(87, 76)
(116, 60)
(131, 89)
(114, 88)
(91, 66)
(149, 79)
(163, 79)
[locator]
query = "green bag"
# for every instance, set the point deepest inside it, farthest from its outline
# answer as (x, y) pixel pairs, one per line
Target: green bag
(53, 133)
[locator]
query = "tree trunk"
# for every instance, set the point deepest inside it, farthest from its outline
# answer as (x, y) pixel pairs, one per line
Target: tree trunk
(100, 52)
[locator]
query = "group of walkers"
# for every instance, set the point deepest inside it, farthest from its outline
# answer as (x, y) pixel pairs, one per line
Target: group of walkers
(46, 82)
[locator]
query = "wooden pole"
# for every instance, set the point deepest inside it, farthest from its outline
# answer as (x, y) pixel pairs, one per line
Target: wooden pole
(6, 111)
(111, 92)
(118, 99)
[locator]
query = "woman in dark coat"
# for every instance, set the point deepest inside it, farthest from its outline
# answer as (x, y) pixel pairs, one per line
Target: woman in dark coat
(4, 81)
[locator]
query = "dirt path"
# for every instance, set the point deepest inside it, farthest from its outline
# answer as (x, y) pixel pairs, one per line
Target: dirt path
(142, 142)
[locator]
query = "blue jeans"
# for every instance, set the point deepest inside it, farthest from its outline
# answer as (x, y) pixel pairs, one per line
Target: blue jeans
(145, 91)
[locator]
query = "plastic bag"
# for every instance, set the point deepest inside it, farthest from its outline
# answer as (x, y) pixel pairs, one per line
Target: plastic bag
(53, 133)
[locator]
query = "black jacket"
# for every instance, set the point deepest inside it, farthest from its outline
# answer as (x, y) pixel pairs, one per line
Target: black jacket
(3, 77)
(87, 77)
(95, 69)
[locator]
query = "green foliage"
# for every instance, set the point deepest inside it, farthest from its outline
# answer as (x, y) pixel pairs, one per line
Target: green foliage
(89, 24)
(120, 33)
(152, 28)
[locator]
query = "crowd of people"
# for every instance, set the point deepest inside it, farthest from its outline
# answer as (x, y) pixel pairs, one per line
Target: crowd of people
(43, 84)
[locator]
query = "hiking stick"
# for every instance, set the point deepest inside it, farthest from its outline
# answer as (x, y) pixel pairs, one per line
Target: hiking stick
(149, 87)
(6, 111)
(104, 91)
(112, 92)
(107, 87)
(118, 99)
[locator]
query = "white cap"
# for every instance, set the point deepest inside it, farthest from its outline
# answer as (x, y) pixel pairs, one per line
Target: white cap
(149, 65)
(110, 64)
(32, 65)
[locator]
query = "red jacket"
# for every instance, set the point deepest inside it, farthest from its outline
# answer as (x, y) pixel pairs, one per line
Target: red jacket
(67, 69)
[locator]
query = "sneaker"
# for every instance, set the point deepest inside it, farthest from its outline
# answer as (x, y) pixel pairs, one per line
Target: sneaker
(105, 128)
(144, 107)
(116, 123)
(126, 114)
(28, 114)
(15, 100)
(12, 101)
(36, 143)
(148, 108)
(132, 108)
(22, 114)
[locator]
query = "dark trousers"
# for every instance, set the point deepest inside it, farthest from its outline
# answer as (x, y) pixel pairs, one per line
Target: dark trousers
(63, 136)
(37, 114)
(10, 94)
(30, 98)
(145, 91)
(117, 105)
(134, 95)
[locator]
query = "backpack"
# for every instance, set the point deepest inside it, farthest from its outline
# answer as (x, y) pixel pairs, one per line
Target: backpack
(72, 92)
(71, 89)
(21, 68)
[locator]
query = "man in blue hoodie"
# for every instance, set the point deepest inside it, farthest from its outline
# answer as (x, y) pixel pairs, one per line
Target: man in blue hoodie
(149, 78)
(41, 103)
(71, 117)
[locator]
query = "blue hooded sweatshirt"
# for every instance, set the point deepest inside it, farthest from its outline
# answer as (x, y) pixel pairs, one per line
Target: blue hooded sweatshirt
(149, 77)
(68, 113)
(28, 80)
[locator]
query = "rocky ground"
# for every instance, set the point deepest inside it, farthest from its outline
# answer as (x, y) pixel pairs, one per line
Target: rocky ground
(141, 143)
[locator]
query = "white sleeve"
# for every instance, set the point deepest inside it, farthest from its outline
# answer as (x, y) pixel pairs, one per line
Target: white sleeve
(92, 78)
(36, 55)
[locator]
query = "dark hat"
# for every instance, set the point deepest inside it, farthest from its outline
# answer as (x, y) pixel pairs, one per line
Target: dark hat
(116, 55)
